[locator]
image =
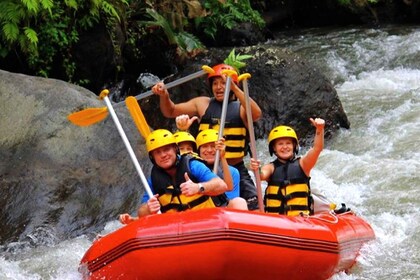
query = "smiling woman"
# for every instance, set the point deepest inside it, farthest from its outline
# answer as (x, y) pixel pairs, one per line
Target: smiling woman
(288, 176)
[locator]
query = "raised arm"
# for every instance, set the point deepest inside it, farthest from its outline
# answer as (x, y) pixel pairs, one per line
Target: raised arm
(193, 107)
(255, 109)
(220, 145)
(308, 161)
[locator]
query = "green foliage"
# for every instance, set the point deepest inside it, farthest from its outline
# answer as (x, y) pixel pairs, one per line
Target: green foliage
(43, 32)
(227, 14)
(237, 60)
(175, 16)
(159, 20)
(186, 43)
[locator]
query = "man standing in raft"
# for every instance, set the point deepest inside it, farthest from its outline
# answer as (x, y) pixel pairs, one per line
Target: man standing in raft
(288, 190)
(208, 111)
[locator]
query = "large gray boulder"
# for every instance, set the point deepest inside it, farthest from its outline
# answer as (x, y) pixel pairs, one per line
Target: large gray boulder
(59, 180)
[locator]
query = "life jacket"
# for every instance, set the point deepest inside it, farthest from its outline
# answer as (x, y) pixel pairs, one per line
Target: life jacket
(288, 191)
(235, 132)
(170, 196)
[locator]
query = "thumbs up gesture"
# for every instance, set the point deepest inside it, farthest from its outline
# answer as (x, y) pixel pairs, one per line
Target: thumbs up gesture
(183, 122)
(317, 122)
(189, 188)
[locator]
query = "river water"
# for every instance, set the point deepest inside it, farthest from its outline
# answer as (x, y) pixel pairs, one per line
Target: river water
(374, 167)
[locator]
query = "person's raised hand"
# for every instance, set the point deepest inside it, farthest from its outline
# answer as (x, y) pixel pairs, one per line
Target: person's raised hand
(160, 89)
(317, 122)
(221, 146)
(188, 188)
(183, 122)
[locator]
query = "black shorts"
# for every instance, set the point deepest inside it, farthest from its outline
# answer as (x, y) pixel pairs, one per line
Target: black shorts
(248, 191)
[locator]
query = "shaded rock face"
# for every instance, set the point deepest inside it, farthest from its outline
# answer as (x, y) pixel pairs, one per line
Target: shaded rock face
(288, 89)
(56, 178)
(307, 13)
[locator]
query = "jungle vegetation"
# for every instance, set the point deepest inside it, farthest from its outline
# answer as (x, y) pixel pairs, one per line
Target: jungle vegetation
(41, 34)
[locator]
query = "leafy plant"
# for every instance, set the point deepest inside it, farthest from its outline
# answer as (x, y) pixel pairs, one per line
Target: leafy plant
(174, 18)
(43, 32)
(237, 60)
(186, 43)
(227, 14)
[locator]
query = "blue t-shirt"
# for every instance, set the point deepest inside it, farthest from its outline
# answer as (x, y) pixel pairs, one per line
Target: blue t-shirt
(198, 169)
(235, 178)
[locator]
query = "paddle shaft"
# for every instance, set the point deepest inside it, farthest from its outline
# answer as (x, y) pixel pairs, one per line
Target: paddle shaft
(169, 85)
(222, 121)
(252, 143)
(91, 116)
(128, 146)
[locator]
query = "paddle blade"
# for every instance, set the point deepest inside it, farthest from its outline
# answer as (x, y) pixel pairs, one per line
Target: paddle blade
(88, 116)
(137, 115)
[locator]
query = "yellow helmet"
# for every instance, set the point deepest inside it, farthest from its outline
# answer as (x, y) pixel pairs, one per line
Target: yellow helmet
(184, 136)
(207, 136)
(159, 138)
(282, 131)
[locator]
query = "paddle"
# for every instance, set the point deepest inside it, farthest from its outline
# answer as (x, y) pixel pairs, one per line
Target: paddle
(88, 116)
(244, 77)
(91, 116)
(104, 96)
(137, 115)
(229, 74)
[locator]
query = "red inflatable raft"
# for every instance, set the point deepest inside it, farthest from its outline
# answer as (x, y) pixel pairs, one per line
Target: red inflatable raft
(228, 244)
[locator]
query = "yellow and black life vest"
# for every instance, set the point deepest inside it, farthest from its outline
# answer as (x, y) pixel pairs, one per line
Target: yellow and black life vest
(170, 195)
(235, 132)
(288, 191)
